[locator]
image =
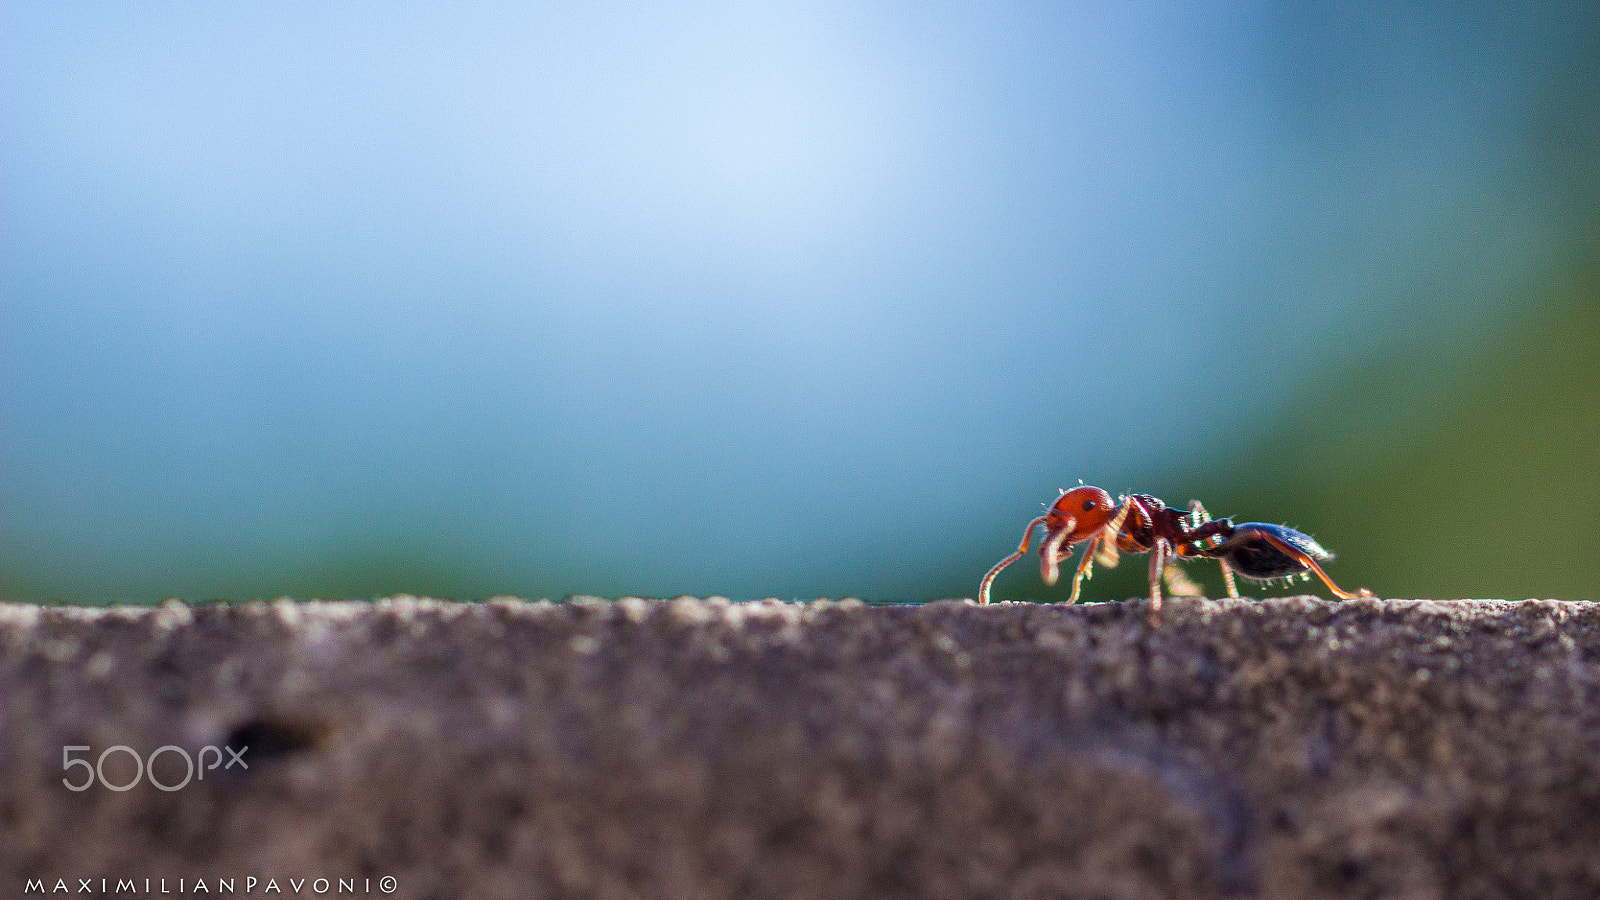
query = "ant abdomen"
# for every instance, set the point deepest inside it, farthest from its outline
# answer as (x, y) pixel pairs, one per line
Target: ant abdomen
(1249, 553)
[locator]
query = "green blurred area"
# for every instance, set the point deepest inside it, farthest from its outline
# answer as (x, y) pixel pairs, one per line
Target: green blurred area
(1480, 485)
(1470, 469)
(1437, 462)
(373, 568)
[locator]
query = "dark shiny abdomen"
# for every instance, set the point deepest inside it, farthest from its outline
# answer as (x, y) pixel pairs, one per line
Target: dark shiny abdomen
(1251, 555)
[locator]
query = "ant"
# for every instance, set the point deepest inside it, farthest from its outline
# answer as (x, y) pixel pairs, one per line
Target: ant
(1140, 523)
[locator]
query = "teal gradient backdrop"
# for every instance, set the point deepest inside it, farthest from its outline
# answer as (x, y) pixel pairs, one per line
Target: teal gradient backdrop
(796, 299)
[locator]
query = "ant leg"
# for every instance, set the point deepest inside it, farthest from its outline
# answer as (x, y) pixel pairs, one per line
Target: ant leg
(1027, 536)
(1102, 548)
(1311, 564)
(1106, 554)
(1199, 517)
(1179, 584)
(1227, 575)
(1158, 564)
(1086, 565)
(1050, 551)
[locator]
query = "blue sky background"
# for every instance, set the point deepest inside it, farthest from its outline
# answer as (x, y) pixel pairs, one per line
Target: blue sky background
(805, 299)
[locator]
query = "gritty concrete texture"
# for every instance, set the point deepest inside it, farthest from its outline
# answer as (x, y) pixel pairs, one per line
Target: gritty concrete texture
(1292, 748)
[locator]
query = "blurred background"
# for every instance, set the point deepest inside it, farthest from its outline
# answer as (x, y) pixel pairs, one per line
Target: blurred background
(788, 299)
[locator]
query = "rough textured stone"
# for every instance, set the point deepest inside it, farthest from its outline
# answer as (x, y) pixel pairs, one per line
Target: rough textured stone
(1292, 748)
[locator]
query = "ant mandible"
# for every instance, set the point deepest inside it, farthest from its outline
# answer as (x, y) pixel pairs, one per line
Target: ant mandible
(1140, 523)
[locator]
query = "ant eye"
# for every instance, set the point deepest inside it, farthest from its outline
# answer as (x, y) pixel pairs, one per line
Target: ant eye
(1088, 505)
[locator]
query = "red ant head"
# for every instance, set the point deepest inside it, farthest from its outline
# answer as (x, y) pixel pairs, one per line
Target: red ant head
(1086, 509)
(1075, 517)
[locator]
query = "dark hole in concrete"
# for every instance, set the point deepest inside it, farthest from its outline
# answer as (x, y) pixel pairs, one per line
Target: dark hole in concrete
(267, 740)
(1350, 871)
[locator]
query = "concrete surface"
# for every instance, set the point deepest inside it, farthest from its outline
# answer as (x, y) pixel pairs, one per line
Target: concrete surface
(1293, 748)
